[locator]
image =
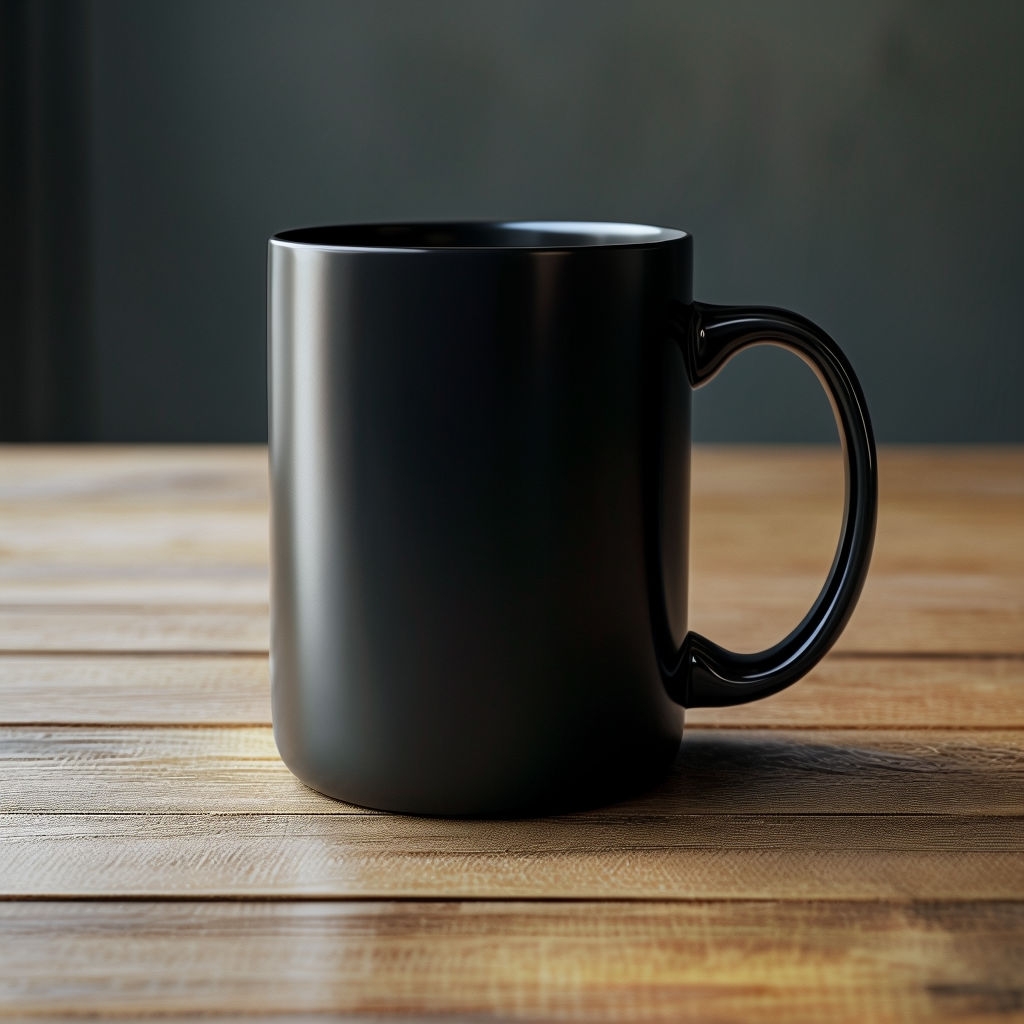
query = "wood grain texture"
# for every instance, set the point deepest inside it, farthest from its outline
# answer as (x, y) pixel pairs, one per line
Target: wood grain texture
(137, 627)
(144, 549)
(599, 856)
(947, 573)
(852, 849)
(97, 689)
(896, 616)
(886, 692)
(86, 769)
(910, 614)
(898, 613)
(38, 476)
(762, 961)
(869, 693)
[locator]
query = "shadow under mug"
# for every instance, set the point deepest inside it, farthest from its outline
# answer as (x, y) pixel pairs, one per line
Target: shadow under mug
(479, 457)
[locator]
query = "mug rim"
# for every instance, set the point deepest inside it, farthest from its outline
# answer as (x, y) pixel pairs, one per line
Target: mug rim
(477, 236)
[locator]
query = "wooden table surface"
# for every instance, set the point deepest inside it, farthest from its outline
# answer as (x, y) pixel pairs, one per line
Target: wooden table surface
(852, 849)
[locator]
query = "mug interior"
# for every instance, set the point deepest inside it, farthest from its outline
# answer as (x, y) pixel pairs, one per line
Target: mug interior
(479, 235)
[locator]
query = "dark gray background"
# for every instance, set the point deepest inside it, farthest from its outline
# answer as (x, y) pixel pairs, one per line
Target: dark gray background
(862, 163)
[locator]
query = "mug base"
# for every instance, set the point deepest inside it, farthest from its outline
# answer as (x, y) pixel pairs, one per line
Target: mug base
(609, 782)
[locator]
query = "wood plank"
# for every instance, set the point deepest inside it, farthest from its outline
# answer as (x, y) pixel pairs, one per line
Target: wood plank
(97, 689)
(727, 531)
(949, 615)
(122, 540)
(870, 692)
(948, 568)
(156, 537)
(758, 961)
(146, 473)
(134, 628)
(881, 692)
(934, 469)
(911, 613)
(718, 771)
(197, 579)
(598, 856)
(139, 475)
(47, 549)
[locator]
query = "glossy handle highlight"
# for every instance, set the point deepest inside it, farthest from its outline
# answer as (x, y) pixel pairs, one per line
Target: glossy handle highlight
(705, 674)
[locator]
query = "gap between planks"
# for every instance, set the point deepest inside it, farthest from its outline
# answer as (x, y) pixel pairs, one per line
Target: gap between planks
(271, 899)
(691, 727)
(258, 655)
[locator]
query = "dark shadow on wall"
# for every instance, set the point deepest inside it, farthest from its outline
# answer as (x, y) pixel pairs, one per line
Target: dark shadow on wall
(47, 369)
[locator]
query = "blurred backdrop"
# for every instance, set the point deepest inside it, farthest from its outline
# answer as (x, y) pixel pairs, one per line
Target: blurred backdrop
(862, 163)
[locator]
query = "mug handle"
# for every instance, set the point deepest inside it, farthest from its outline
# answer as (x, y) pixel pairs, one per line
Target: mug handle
(702, 674)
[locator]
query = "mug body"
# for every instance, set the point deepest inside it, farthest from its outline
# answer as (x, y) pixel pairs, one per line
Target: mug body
(479, 441)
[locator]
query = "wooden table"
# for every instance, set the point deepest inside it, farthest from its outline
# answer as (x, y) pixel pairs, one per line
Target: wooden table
(852, 849)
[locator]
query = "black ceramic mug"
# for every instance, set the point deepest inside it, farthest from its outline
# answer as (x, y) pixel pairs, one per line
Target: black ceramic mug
(479, 452)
